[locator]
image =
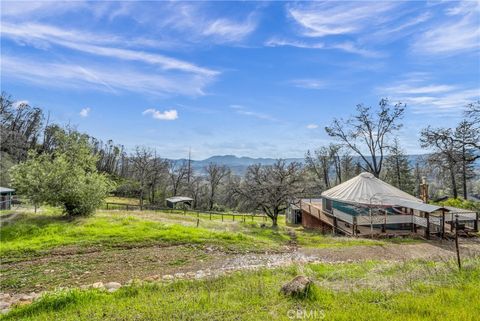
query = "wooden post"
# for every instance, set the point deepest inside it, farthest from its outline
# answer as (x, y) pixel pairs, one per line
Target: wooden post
(252, 216)
(475, 224)
(233, 217)
(127, 207)
(427, 229)
(443, 223)
(335, 225)
(222, 217)
(107, 206)
(210, 216)
(198, 221)
(456, 243)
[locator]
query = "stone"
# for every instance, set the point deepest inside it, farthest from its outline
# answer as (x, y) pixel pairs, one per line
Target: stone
(26, 297)
(190, 275)
(112, 286)
(97, 285)
(5, 296)
(167, 277)
(299, 286)
(4, 305)
(179, 275)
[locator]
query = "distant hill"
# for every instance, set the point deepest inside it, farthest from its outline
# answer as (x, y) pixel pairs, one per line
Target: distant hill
(239, 164)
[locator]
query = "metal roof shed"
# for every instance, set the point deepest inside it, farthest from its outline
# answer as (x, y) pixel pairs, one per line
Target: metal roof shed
(172, 201)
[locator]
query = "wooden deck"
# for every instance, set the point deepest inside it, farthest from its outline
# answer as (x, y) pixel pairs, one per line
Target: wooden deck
(376, 225)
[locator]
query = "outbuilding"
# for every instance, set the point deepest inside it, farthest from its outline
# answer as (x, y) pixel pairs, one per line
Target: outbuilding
(6, 196)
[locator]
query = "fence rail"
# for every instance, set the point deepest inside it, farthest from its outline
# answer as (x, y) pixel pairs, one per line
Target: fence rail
(233, 216)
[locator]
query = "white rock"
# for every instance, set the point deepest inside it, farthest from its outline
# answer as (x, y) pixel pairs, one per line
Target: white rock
(167, 277)
(26, 297)
(112, 286)
(179, 275)
(97, 285)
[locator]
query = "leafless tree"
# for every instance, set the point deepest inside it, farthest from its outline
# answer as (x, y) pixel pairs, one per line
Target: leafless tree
(367, 132)
(178, 173)
(215, 174)
(141, 160)
(271, 188)
(319, 164)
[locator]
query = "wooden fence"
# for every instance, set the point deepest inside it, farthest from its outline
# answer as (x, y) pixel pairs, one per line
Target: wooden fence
(221, 215)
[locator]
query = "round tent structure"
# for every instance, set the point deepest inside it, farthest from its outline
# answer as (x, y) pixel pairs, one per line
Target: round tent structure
(366, 189)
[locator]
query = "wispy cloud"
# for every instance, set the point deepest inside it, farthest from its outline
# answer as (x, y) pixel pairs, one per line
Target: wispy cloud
(111, 78)
(338, 18)
(458, 31)
(171, 114)
(241, 110)
(423, 97)
(45, 36)
(312, 126)
(309, 83)
(85, 112)
(230, 31)
(347, 46)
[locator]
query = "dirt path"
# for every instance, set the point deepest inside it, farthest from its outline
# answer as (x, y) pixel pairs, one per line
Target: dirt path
(69, 268)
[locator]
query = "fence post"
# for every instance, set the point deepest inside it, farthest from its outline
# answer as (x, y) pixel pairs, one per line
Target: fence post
(427, 229)
(233, 217)
(127, 207)
(475, 224)
(107, 206)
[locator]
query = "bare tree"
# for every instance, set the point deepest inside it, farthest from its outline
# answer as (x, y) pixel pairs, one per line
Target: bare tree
(178, 173)
(215, 175)
(271, 188)
(319, 164)
(141, 160)
(367, 133)
(441, 140)
(473, 112)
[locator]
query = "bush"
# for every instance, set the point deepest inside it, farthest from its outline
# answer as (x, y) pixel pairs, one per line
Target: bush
(66, 177)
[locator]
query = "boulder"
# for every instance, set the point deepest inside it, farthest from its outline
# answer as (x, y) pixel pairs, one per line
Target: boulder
(299, 286)
(97, 285)
(112, 286)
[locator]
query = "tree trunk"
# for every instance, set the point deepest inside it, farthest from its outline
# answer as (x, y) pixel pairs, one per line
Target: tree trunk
(454, 182)
(464, 174)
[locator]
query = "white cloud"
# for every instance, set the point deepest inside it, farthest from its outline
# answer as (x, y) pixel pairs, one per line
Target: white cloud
(423, 97)
(228, 30)
(309, 83)
(112, 78)
(19, 103)
(171, 114)
(276, 42)
(312, 126)
(43, 36)
(85, 112)
(338, 18)
(458, 32)
(348, 46)
(241, 110)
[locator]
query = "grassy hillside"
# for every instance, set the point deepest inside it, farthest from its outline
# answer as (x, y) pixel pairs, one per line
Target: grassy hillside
(418, 290)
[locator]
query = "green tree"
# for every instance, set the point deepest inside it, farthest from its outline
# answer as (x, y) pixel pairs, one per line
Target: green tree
(66, 177)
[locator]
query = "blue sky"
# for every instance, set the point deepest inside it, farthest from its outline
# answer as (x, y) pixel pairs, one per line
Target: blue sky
(258, 79)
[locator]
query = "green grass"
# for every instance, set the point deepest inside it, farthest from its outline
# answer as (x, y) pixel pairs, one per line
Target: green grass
(443, 295)
(31, 233)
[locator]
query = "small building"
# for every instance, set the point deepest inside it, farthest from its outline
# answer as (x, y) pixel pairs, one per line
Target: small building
(172, 202)
(365, 205)
(6, 197)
